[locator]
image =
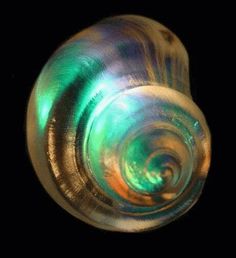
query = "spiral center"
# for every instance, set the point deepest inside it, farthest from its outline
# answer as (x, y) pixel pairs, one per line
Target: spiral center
(137, 150)
(149, 170)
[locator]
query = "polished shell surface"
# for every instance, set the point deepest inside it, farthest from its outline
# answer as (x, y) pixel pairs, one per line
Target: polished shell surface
(112, 131)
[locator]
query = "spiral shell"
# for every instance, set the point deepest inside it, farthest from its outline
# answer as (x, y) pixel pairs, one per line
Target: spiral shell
(112, 131)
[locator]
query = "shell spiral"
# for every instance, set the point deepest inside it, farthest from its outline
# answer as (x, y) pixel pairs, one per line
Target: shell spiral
(112, 131)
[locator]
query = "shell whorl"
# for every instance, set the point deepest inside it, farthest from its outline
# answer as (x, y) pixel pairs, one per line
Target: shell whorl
(112, 131)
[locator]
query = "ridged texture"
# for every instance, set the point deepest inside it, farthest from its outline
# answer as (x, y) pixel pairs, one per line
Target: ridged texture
(112, 131)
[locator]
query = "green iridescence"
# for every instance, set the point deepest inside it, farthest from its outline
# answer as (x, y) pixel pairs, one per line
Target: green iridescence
(144, 171)
(110, 137)
(147, 180)
(55, 78)
(108, 124)
(70, 66)
(114, 121)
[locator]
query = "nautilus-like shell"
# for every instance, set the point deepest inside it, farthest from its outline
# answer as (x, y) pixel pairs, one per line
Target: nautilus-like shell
(112, 131)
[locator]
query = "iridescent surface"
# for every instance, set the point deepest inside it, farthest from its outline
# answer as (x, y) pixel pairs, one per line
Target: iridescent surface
(112, 131)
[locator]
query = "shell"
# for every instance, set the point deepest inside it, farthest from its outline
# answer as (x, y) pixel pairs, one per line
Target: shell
(112, 131)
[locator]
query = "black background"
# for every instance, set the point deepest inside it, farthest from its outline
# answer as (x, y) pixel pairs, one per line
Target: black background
(36, 30)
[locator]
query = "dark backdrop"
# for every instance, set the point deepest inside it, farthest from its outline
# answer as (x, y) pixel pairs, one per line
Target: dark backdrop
(36, 30)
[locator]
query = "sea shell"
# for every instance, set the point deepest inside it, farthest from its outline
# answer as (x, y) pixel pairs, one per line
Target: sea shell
(112, 131)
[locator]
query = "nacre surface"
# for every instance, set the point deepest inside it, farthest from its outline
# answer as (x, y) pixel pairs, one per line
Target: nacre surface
(112, 131)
